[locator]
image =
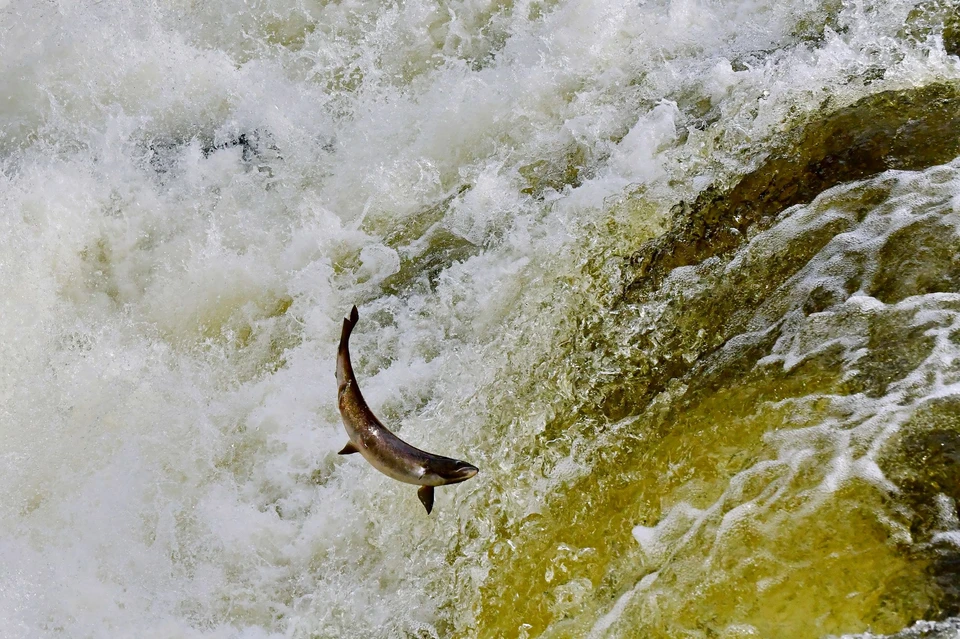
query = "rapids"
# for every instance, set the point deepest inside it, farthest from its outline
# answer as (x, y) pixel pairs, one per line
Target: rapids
(681, 277)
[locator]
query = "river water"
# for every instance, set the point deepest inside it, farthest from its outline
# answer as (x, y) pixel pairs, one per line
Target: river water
(681, 277)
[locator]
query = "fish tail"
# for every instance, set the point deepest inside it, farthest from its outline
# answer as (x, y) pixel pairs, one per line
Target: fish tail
(348, 324)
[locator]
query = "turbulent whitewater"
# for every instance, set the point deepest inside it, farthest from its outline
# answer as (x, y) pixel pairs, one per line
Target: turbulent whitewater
(682, 277)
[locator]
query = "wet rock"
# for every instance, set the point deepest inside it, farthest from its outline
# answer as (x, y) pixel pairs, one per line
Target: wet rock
(915, 261)
(946, 629)
(912, 130)
(924, 462)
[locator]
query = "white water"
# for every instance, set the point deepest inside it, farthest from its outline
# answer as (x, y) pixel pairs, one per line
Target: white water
(168, 436)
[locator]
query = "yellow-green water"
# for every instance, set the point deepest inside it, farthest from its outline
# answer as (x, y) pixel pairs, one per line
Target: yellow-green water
(731, 488)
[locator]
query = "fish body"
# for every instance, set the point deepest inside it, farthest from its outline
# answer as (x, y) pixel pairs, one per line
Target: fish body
(385, 451)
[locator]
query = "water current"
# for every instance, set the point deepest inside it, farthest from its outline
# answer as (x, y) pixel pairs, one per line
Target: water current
(682, 277)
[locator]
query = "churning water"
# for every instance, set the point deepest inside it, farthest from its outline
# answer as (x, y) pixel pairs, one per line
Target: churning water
(682, 277)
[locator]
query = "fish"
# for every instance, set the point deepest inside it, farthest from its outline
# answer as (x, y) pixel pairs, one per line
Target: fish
(385, 451)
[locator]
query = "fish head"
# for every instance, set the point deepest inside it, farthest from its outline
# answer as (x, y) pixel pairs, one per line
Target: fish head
(452, 471)
(465, 471)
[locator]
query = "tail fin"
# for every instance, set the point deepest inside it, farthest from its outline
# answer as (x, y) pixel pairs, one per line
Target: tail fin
(348, 324)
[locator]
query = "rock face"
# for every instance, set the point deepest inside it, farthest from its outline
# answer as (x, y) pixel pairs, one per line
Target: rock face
(908, 130)
(775, 390)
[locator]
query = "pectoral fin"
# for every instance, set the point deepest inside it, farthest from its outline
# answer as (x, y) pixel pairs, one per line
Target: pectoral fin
(426, 497)
(349, 449)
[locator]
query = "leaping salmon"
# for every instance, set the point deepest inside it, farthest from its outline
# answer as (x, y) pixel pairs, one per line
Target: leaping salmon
(385, 451)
